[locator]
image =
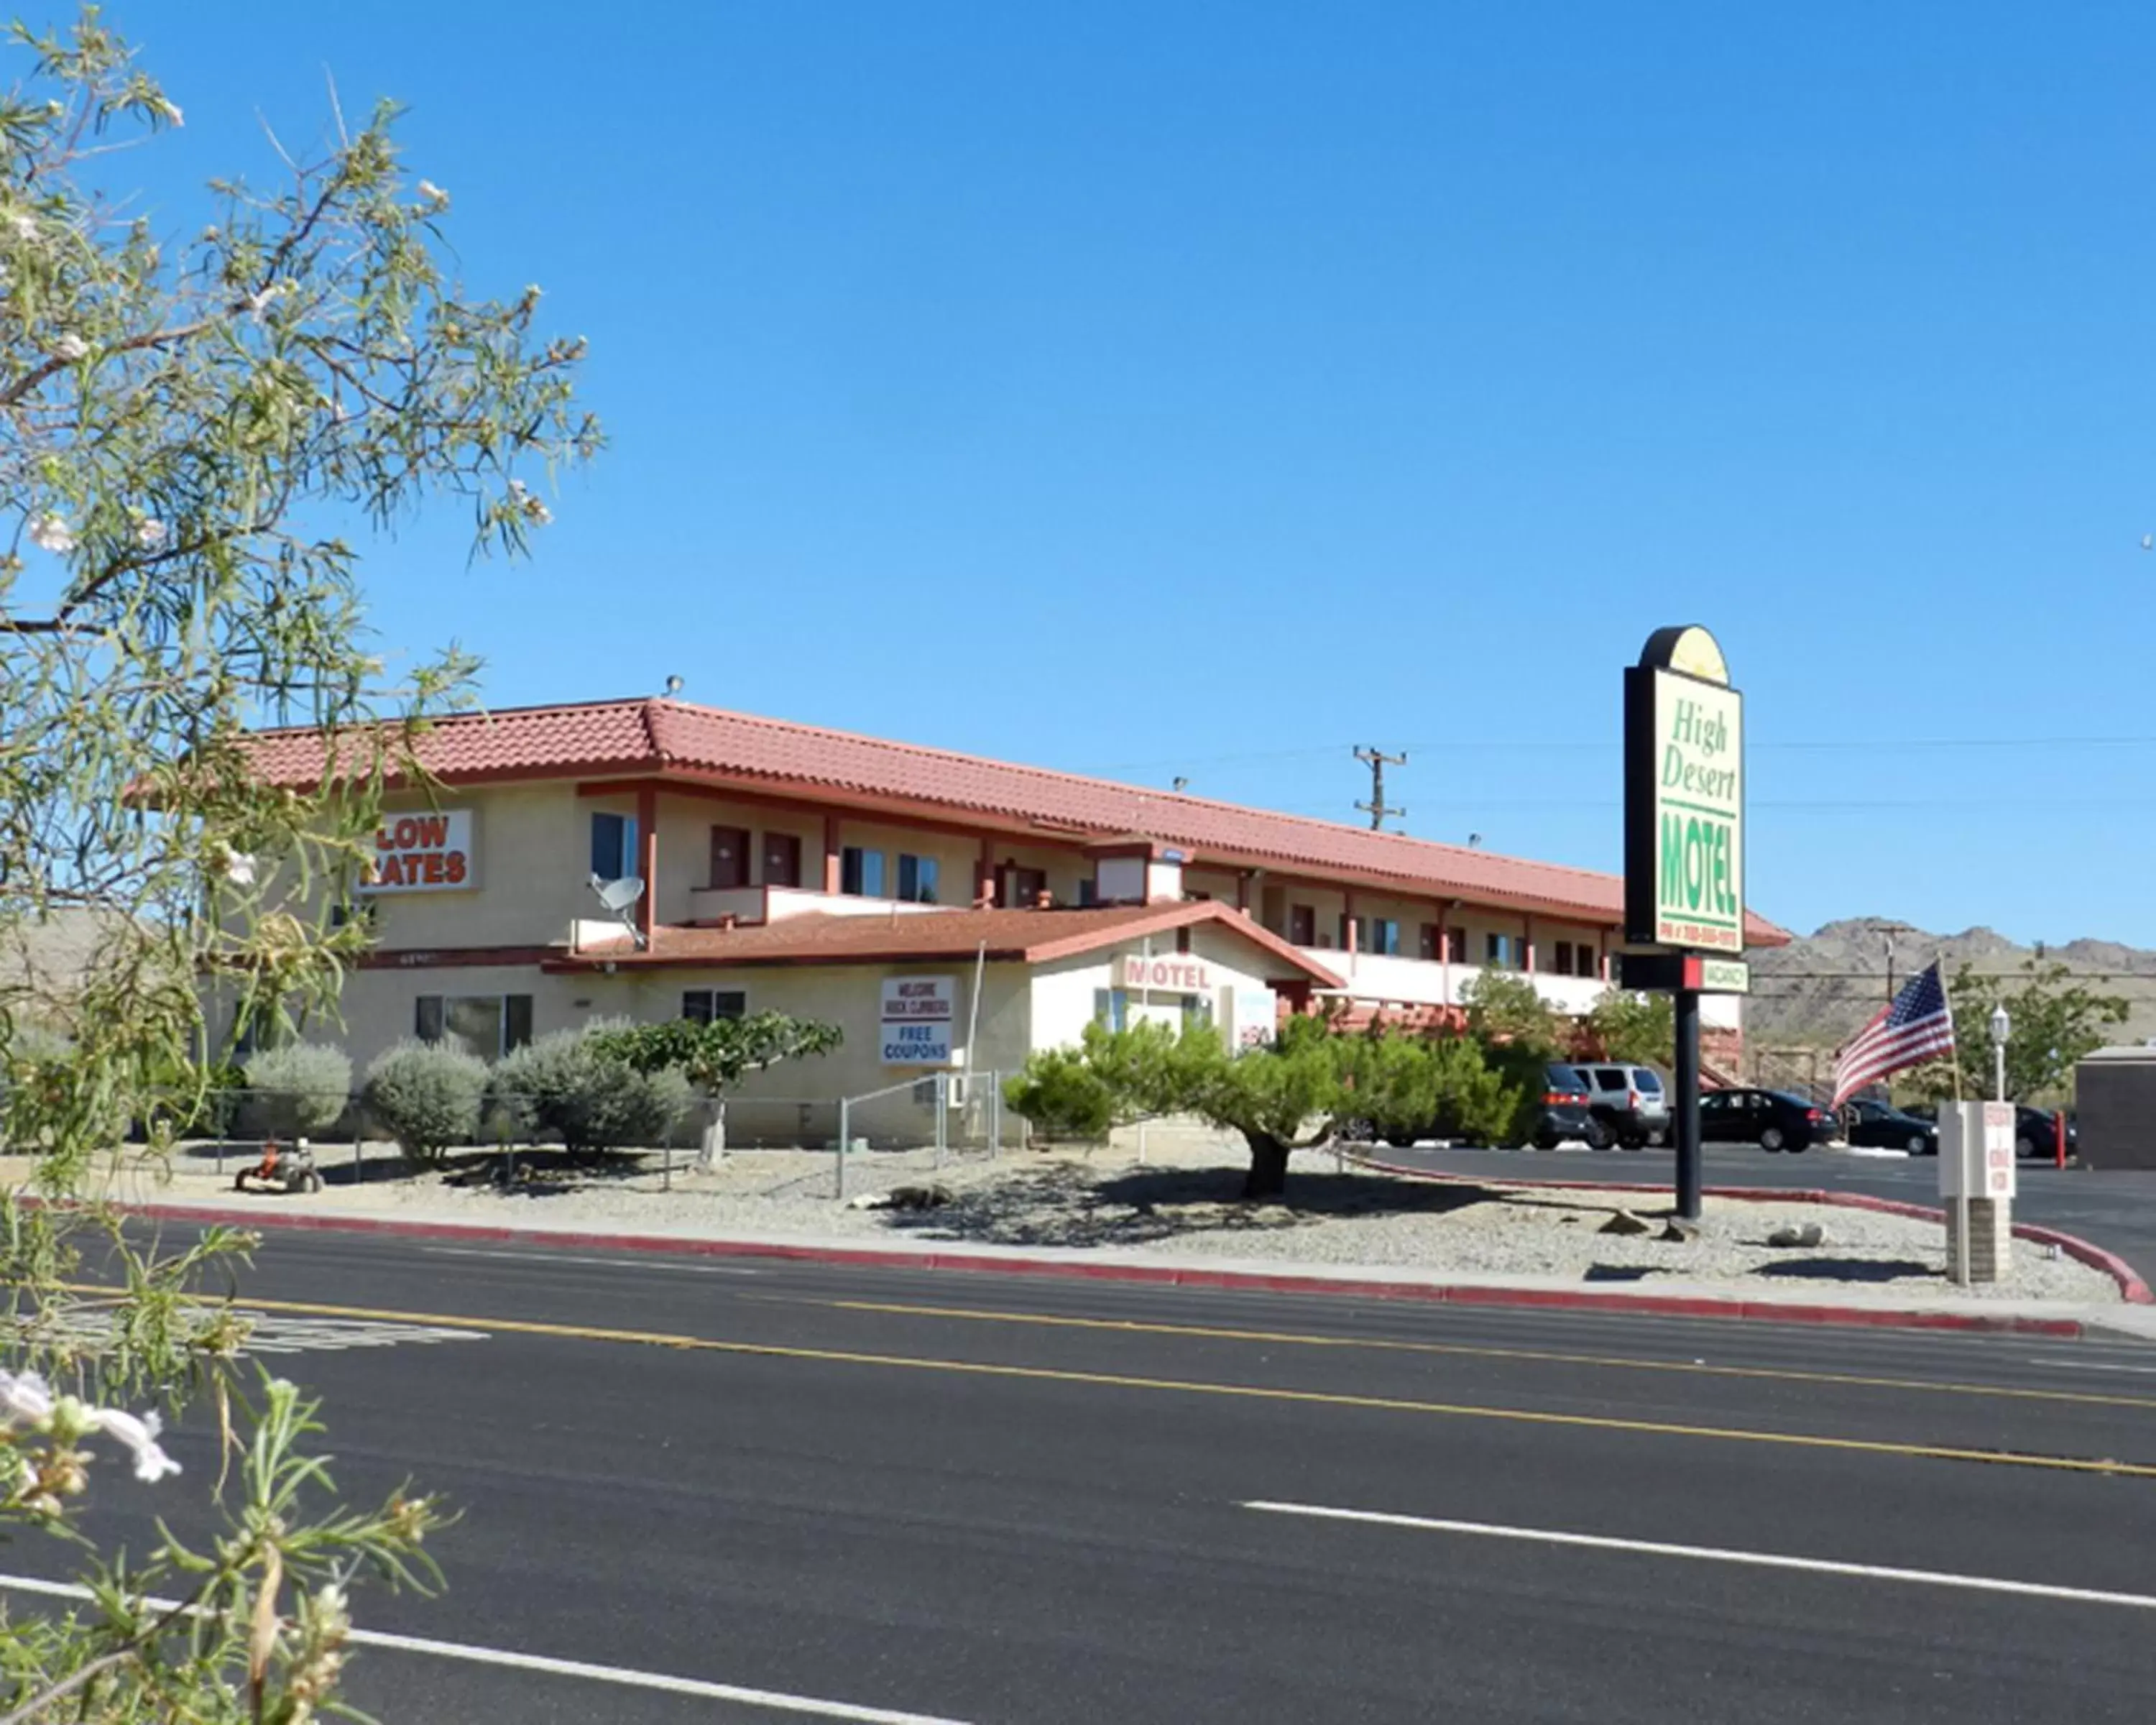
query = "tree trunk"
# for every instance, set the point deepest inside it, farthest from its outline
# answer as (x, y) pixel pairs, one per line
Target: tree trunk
(1268, 1174)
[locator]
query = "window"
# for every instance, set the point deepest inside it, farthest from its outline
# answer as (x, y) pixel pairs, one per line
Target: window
(1563, 960)
(1111, 1007)
(1380, 934)
(860, 872)
(1429, 939)
(1183, 938)
(1089, 892)
(916, 879)
(1501, 951)
(1018, 888)
(613, 845)
(488, 1025)
(1197, 1009)
(729, 857)
(1302, 925)
(1456, 946)
(1583, 961)
(781, 860)
(700, 1006)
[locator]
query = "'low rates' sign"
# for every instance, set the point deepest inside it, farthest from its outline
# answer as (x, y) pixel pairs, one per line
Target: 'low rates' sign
(1684, 797)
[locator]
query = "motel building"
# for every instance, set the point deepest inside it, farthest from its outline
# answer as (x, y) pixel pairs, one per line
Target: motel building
(869, 883)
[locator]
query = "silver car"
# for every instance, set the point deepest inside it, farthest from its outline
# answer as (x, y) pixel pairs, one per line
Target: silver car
(1631, 1100)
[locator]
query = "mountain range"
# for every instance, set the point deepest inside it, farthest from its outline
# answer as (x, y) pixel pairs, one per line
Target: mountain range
(1815, 991)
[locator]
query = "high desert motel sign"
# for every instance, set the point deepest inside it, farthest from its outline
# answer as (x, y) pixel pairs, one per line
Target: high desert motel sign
(1684, 797)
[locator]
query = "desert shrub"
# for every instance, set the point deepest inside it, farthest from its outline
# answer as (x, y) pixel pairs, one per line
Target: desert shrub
(427, 1096)
(569, 1083)
(300, 1087)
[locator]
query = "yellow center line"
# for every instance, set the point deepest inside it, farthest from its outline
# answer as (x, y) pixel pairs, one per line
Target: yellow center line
(1459, 1349)
(1247, 1391)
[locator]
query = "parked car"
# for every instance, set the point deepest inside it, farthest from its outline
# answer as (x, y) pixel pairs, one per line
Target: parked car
(2036, 1132)
(1881, 1126)
(1567, 1110)
(1772, 1119)
(1631, 1101)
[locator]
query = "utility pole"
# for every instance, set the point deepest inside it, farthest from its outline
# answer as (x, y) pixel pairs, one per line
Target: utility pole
(1377, 760)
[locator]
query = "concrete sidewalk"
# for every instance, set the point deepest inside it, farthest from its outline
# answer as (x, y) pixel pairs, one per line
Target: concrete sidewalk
(1668, 1297)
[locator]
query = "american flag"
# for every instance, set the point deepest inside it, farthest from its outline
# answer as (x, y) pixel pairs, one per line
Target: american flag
(1917, 1025)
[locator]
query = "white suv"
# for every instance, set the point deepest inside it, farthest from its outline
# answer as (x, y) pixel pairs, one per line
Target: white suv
(1631, 1100)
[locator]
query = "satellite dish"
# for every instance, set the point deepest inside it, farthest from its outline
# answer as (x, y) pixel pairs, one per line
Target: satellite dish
(620, 897)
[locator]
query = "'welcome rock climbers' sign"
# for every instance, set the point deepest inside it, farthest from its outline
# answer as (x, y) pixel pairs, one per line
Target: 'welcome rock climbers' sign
(1684, 797)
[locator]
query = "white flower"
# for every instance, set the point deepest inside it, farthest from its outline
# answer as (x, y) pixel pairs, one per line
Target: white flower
(173, 111)
(71, 346)
(150, 533)
(433, 194)
(240, 868)
(49, 532)
(24, 1398)
(24, 223)
(139, 1436)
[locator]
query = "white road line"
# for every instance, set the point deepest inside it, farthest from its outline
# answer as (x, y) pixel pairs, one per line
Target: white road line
(2087, 1365)
(771, 1700)
(541, 1255)
(1712, 1555)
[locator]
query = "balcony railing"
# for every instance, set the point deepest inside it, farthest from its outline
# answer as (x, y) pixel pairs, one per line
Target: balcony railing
(1430, 982)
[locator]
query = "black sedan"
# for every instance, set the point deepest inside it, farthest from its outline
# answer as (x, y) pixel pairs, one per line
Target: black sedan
(2036, 1132)
(1881, 1126)
(1772, 1119)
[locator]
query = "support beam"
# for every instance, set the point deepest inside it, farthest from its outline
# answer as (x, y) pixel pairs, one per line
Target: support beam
(647, 858)
(985, 874)
(1527, 945)
(833, 857)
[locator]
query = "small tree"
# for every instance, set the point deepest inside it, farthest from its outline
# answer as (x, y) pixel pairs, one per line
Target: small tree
(716, 1054)
(1282, 1098)
(298, 1088)
(1508, 1008)
(2056, 1019)
(1475, 1100)
(572, 1083)
(1638, 1030)
(427, 1096)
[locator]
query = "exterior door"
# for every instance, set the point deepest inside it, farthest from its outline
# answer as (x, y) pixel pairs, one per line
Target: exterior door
(781, 860)
(729, 857)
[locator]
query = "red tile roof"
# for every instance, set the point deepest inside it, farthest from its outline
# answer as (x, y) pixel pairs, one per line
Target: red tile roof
(1021, 936)
(654, 736)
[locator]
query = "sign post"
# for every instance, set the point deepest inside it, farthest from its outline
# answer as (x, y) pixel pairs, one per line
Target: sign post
(1684, 849)
(1977, 1178)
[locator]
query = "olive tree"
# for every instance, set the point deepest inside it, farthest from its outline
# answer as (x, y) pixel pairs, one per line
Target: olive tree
(201, 415)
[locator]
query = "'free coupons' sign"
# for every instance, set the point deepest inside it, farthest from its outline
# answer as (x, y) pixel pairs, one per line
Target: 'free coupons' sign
(917, 1015)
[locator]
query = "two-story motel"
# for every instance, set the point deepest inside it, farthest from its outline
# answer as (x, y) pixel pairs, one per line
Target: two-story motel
(870, 883)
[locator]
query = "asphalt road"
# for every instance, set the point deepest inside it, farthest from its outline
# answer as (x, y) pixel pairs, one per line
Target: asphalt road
(2115, 1210)
(984, 1499)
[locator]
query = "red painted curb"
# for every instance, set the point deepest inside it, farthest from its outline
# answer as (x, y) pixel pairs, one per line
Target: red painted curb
(2131, 1289)
(1158, 1274)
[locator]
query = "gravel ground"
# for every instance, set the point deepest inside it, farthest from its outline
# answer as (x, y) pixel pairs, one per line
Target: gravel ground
(1182, 1200)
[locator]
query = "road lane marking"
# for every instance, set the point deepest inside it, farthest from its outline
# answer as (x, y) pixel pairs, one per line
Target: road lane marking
(1709, 1554)
(541, 1256)
(771, 1700)
(1472, 1351)
(1246, 1392)
(2090, 1365)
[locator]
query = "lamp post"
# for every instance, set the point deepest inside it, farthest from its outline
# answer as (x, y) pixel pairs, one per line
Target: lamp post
(2001, 1026)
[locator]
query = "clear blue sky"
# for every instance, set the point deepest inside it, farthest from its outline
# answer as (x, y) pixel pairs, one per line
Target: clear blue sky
(1204, 388)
